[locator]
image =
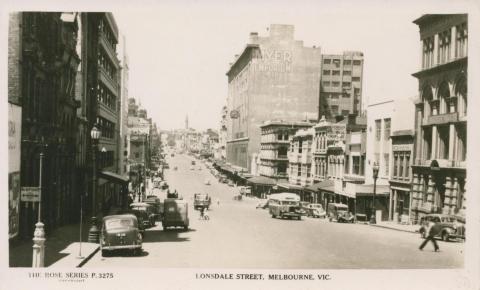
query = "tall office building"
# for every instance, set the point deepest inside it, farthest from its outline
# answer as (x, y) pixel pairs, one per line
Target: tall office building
(341, 85)
(275, 78)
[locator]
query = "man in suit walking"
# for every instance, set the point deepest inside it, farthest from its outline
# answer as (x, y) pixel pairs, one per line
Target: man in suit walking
(433, 230)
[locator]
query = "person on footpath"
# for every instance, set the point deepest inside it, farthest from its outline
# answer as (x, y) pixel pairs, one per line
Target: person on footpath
(433, 229)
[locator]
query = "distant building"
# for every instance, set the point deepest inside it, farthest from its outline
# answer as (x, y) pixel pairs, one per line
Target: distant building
(274, 147)
(300, 158)
(439, 169)
(341, 85)
(275, 77)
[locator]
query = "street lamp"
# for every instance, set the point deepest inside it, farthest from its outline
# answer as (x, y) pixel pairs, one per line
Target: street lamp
(375, 176)
(93, 233)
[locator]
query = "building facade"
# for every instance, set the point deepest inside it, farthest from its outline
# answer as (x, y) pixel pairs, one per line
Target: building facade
(439, 168)
(274, 147)
(341, 85)
(300, 158)
(275, 77)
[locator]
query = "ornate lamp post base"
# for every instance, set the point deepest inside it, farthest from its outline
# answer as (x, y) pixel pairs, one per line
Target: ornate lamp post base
(38, 246)
(93, 233)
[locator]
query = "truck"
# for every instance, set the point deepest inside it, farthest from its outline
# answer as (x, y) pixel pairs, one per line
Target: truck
(201, 200)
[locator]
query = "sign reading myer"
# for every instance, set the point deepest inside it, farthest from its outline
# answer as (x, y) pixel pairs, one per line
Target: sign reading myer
(31, 194)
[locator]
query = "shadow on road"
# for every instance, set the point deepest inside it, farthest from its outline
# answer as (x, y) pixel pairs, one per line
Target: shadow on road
(171, 235)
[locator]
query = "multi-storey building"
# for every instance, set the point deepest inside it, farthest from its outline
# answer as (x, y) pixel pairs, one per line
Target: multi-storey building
(275, 77)
(122, 154)
(439, 168)
(300, 158)
(274, 147)
(341, 85)
(222, 136)
(43, 63)
(328, 150)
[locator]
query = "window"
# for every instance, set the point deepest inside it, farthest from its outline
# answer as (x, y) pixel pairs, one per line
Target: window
(345, 112)
(443, 144)
(378, 129)
(346, 84)
(347, 62)
(326, 83)
(444, 46)
(300, 146)
(425, 188)
(336, 61)
(395, 165)
(386, 158)
(462, 142)
(335, 84)
(334, 96)
(336, 72)
(407, 165)
(347, 164)
(400, 168)
(355, 79)
(357, 62)
(461, 193)
(327, 61)
(347, 73)
(326, 72)
(334, 110)
(461, 41)
(356, 165)
(299, 170)
(386, 123)
(427, 57)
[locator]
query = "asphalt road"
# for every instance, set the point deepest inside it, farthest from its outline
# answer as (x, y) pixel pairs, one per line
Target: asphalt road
(240, 236)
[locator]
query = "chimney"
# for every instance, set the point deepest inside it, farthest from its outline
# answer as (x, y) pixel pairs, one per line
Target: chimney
(253, 37)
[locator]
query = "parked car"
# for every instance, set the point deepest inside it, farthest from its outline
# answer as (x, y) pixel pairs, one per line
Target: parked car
(304, 207)
(120, 232)
(316, 210)
(175, 214)
(451, 227)
(155, 202)
(149, 216)
(339, 212)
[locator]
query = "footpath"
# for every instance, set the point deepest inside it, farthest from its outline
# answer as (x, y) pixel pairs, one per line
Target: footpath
(398, 227)
(62, 248)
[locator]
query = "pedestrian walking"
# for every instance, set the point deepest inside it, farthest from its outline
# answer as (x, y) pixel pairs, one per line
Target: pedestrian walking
(433, 229)
(218, 201)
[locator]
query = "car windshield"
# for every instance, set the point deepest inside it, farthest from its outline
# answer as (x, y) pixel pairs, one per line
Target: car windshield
(449, 219)
(316, 205)
(118, 223)
(288, 202)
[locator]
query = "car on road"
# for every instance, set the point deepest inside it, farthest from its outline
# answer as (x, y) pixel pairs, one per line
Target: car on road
(452, 228)
(120, 232)
(339, 212)
(175, 214)
(145, 210)
(157, 205)
(201, 200)
(285, 204)
(316, 210)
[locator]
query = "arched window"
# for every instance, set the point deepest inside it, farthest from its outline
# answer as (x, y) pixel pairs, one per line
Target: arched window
(427, 97)
(444, 99)
(461, 94)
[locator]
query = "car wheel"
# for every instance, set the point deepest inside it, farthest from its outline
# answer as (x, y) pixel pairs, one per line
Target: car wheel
(105, 253)
(445, 237)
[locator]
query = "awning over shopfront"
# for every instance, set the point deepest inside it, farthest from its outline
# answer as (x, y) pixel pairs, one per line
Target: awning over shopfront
(116, 178)
(290, 186)
(367, 190)
(261, 180)
(320, 185)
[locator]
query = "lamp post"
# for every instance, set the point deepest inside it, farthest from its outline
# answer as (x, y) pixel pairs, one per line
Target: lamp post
(375, 176)
(93, 233)
(39, 234)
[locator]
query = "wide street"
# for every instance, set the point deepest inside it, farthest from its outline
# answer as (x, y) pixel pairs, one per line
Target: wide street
(240, 236)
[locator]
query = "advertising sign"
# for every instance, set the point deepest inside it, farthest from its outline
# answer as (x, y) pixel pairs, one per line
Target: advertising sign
(30, 194)
(14, 135)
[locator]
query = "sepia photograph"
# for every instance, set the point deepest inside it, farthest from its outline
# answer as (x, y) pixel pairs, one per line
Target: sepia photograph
(246, 145)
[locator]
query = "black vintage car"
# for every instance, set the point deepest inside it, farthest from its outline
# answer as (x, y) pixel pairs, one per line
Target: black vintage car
(120, 232)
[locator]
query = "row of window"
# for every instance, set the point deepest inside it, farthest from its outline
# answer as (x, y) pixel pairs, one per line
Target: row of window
(445, 103)
(444, 46)
(336, 84)
(338, 61)
(401, 165)
(108, 34)
(337, 73)
(106, 159)
(106, 64)
(386, 129)
(106, 97)
(106, 128)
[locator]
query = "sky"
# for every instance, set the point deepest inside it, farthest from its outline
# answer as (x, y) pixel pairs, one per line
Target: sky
(179, 52)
